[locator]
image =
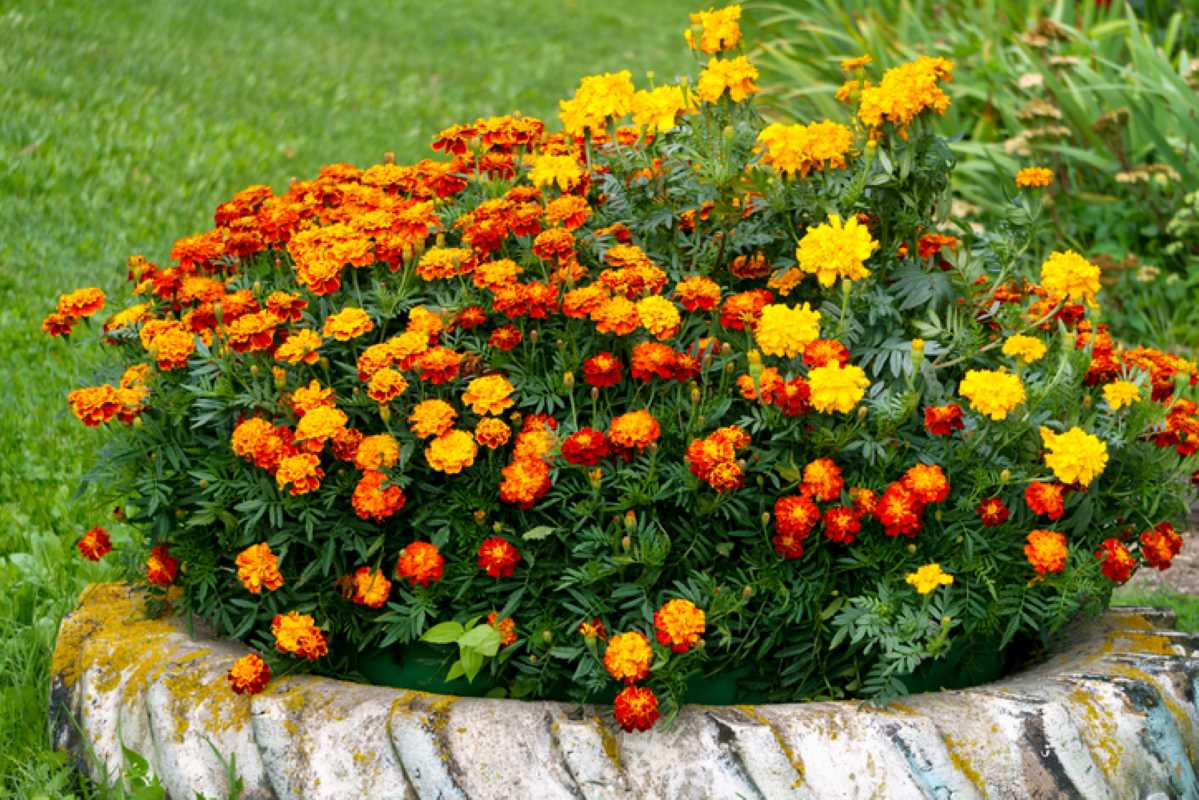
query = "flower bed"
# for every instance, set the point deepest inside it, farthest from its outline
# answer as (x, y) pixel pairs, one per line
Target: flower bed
(621, 407)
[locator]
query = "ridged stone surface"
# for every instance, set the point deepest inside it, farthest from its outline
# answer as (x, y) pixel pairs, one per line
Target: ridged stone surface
(1112, 715)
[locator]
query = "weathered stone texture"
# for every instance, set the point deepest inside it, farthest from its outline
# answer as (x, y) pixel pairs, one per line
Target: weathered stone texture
(1112, 715)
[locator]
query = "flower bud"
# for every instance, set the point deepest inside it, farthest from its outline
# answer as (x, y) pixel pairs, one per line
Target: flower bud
(389, 157)
(254, 370)
(1086, 401)
(324, 362)
(747, 592)
(498, 527)
(765, 518)
(534, 335)
(560, 344)
(480, 516)
(118, 513)
(547, 636)
(695, 395)
(516, 418)
(568, 380)
(730, 367)
(630, 519)
(1005, 475)
(626, 544)
(911, 548)
(385, 413)
(137, 422)
(862, 412)
(596, 476)
(203, 483)
(595, 393)
(726, 349)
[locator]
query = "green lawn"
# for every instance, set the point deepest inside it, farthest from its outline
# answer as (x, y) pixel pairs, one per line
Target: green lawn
(123, 124)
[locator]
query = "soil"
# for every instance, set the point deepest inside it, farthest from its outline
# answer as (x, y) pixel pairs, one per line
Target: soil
(1183, 574)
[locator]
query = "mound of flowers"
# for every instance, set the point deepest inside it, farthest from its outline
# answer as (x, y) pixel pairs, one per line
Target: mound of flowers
(669, 392)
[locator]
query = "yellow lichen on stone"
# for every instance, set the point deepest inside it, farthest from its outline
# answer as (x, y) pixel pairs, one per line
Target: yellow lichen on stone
(963, 765)
(1100, 731)
(1181, 718)
(792, 757)
(609, 741)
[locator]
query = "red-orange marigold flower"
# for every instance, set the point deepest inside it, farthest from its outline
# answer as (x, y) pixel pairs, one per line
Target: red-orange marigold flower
(506, 628)
(526, 480)
(492, 433)
(1118, 563)
(698, 293)
(927, 483)
(603, 370)
(438, 365)
(899, 510)
(585, 447)
(636, 709)
(1045, 499)
(1159, 545)
(258, 569)
(679, 624)
(420, 563)
(1046, 551)
(824, 351)
(371, 588)
(95, 405)
(794, 518)
(992, 512)
(822, 480)
(498, 557)
(841, 524)
(249, 674)
(865, 501)
(505, 338)
(161, 566)
(372, 501)
(302, 471)
(95, 544)
(297, 634)
(636, 429)
(943, 420)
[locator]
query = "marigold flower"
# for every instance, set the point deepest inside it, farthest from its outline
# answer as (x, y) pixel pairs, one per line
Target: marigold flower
(636, 429)
(679, 624)
(95, 405)
(652, 360)
(718, 30)
(743, 309)
(794, 518)
(369, 587)
(1117, 563)
(421, 563)
(95, 544)
(498, 557)
(735, 75)
(171, 346)
(585, 447)
(431, 418)
(943, 420)
(616, 315)
(841, 524)
(1159, 545)
(833, 250)
(534, 441)
(822, 480)
(1074, 456)
(905, 92)
(505, 338)
(803, 148)
(80, 303)
(1069, 276)
(899, 510)
(1045, 499)
(452, 452)
(628, 656)
(373, 501)
(1026, 348)
(1034, 177)
(313, 396)
(286, 306)
(492, 433)
(856, 63)
(992, 392)
(300, 347)
(837, 388)
(490, 394)
(349, 323)
(656, 110)
(161, 566)
(506, 628)
(526, 480)
(297, 634)
(865, 501)
(992, 512)
(593, 629)
(785, 331)
(56, 324)
(550, 169)
(249, 674)
(258, 569)
(252, 332)
(928, 578)
(302, 472)
(825, 351)
(1046, 551)
(597, 98)
(658, 316)
(569, 210)
(319, 425)
(1121, 393)
(927, 483)
(636, 709)
(445, 262)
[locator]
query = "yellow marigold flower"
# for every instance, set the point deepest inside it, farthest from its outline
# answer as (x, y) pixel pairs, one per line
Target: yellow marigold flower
(300, 346)
(992, 392)
(1034, 177)
(785, 330)
(490, 394)
(302, 471)
(833, 250)
(802, 148)
(679, 624)
(297, 634)
(906, 91)
(548, 170)
(597, 98)
(422, 320)
(319, 425)
(616, 315)
(1026, 348)
(444, 262)
(386, 385)
(658, 316)
(836, 387)
(431, 418)
(258, 569)
(735, 75)
(628, 657)
(1069, 276)
(929, 577)
(1121, 393)
(1074, 456)
(348, 324)
(312, 396)
(127, 317)
(377, 452)
(719, 30)
(492, 433)
(851, 64)
(637, 429)
(656, 110)
(452, 452)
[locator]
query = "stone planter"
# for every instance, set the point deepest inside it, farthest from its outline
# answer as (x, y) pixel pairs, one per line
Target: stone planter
(1111, 715)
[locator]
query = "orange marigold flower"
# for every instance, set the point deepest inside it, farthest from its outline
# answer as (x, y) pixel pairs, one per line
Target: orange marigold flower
(171, 345)
(452, 452)
(1045, 499)
(927, 483)
(376, 452)
(386, 385)
(300, 347)
(345, 444)
(438, 365)
(1159, 545)
(431, 418)
(616, 315)
(370, 588)
(505, 338)
(841, 524)
(628, 656)
(297, 634)
(492, 433)
(80, 303)
(319, 425)
(1117, 563)
(899, 510)
(302, 472)
(421, 563)
(490, 394)
(311, 397)
(526, 480)
(1046, 551)
(252, 332)
(943, 420)
(498, 557)
(373, 501)
(249, 674)
(679, 624)
(822, 480)
(650, 360)
(445, 262)
(161, 566)
(865, 501)
(992, 512)
(698, 293)
(636, 708)
(584, 301)
(1034, 177)
(585, 447)
(506, 627)
(347, 324)
(95, 405)
(56, 324)
(593, 629)
(825, 351)
(95, 544)
(258, 568)
(742, 310)
(569, 210)
(286, 306)
(658, 316)
(636, 429)
(603, 370)
(794, 518)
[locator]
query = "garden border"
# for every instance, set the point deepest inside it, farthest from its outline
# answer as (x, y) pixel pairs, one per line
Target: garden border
(1111, 714)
